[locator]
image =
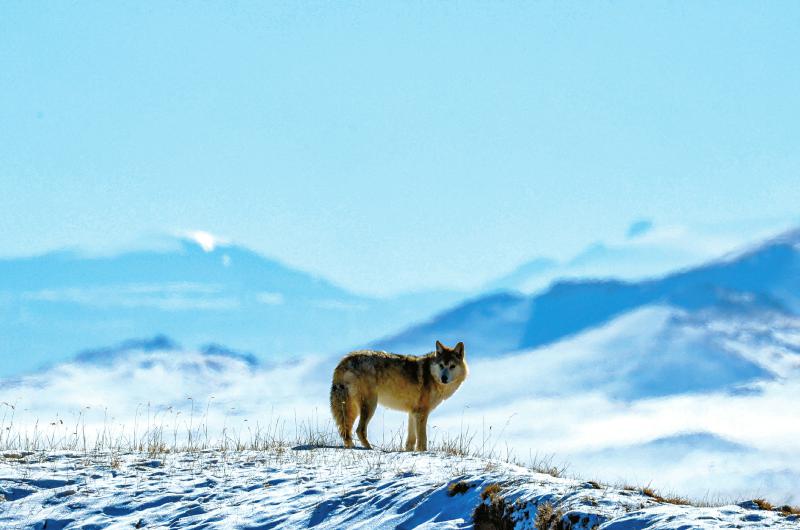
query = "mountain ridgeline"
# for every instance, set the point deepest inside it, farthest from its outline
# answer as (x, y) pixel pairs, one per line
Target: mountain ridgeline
(56, 304)
(763, 279)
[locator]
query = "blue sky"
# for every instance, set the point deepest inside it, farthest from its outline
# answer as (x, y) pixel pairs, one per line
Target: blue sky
(394, 146)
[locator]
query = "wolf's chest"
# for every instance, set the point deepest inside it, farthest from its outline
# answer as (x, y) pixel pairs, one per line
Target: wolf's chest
(402, 402)
(401, 396)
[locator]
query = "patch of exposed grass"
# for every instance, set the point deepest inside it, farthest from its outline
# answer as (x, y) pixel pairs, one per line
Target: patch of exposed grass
(763, 504)
(490, 491)
(785, 510)
(493, 513)
(460, 445)
(648, 491)
(675, 499)
(458, 488)
(545, 465)
(670, 499)
(548, 518)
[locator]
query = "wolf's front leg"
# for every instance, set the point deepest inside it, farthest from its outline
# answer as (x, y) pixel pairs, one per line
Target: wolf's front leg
(412, 432)
(422, 430)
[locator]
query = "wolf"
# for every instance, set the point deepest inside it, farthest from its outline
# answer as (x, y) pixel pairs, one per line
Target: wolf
(416, 385)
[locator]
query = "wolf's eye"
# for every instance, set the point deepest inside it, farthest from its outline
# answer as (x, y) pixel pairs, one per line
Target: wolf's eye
(452, 366)
(441, 365)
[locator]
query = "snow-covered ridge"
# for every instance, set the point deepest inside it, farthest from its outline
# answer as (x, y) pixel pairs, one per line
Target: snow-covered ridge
(328, 488)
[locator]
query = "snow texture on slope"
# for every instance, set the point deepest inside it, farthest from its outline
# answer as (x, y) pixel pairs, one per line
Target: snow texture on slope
(320, 488)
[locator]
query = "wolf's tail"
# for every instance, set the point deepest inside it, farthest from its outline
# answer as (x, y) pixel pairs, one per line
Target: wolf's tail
(340, 406)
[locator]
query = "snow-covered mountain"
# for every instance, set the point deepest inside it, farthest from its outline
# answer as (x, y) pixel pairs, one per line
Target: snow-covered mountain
(195, 290)
(765, 278)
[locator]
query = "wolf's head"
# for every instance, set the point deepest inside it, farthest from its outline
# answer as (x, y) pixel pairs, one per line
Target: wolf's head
(449, 365)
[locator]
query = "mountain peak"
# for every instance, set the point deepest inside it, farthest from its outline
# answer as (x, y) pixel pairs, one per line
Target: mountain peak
(109, 354)
(791, 237)
(639, 228)
(205, 240)
(777, 243)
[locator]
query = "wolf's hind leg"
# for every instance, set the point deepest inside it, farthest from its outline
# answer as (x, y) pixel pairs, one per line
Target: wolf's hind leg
(422, 430)
(344, 410)
(367, 409)
(412, 432)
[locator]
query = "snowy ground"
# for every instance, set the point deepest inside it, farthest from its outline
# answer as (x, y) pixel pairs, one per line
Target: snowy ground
(322, 488)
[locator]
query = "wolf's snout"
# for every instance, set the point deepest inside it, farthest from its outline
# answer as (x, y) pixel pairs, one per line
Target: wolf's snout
(444, 379)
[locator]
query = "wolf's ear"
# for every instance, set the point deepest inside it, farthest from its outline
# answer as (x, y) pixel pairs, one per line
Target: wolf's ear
(459, 349)
(440, 347)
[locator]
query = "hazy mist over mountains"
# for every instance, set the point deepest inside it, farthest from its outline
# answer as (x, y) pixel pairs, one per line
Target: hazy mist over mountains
(199, 290)
(197, 293)
(608, 375)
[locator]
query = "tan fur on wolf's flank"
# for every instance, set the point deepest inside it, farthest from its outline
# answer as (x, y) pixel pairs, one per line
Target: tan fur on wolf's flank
(411, 384)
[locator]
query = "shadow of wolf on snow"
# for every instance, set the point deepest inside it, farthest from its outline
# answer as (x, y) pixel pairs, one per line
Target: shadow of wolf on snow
(407, 383)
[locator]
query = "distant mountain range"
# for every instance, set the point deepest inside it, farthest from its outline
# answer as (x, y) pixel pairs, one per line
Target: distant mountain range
(658, 379)
(633, 259)
(647, 251)
(765, 278)
(56, 304)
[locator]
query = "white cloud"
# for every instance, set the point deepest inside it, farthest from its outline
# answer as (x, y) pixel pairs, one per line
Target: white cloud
(170, 296)
(339, 305)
